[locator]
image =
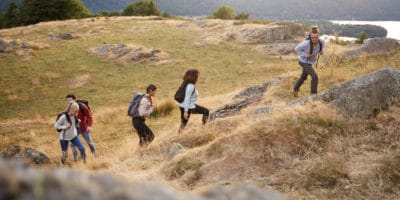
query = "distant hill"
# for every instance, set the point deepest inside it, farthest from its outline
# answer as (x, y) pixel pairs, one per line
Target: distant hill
(284, 9)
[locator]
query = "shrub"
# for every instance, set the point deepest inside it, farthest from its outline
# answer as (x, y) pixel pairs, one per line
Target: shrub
(164, 109)
(242, 15)
(389, 171)
(224, 12)
(327, 173)
(184, 165)
(362, 38)
(142, 8)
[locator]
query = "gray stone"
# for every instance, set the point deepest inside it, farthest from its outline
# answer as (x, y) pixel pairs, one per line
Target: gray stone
(21, 182)
(175, 149)
(3, 46)
(375, 46)
(25, 154)
(363, 97)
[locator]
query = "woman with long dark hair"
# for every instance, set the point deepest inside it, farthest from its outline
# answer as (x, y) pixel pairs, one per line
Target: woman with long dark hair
(189, 106)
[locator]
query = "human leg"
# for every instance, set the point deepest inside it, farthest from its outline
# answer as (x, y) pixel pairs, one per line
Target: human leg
(64, 150)
(88, 139)
(184, 121)
(201, 110)
(301, 79)
(77, 143)
(138, 124)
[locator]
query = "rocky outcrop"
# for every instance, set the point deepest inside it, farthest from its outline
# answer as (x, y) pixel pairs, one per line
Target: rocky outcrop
(375, 46)
(363, 97)
(25, 154)
(130, 54)
(273, 32)
(3, 46)
(18, 182)
(245, 98)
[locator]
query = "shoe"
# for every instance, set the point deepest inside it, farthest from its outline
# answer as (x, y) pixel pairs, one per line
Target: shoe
(296, 93)
(63, 160)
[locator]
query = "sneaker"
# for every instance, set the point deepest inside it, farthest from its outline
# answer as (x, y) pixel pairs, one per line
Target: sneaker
(296, 93)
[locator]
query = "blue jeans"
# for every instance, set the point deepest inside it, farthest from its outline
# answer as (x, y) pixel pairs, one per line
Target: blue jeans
(77, 144)
(307, 70)
(88, 139)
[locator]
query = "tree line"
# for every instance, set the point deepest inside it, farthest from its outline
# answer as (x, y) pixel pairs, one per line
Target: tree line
(35, 11)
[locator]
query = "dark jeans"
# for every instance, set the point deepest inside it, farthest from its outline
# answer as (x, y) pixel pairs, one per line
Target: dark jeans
(145, 134)
(197, 110)
(307, 70)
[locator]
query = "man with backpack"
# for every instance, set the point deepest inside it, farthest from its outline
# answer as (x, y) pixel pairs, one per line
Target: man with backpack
(85, 124)
(308, 51)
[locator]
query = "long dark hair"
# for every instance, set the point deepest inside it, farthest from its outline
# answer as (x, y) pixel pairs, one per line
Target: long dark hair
(191, 76)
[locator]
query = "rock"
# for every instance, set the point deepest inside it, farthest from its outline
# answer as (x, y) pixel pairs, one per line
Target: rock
(65, 36)
(375, 46)
(266, 109)
(3, 46)
(273, 32)
(247, 97)
(175, 149)
(363, 97)
(25, 154)
(21, 182)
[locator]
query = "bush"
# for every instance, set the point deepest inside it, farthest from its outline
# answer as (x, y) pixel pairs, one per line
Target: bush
(327, 174)
(362, 38)
(224, 12)
(184, 165)
(142, 8)
(242, 15)
(164, 109)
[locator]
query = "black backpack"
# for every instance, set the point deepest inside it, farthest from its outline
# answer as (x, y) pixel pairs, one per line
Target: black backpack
(133, 108)
(180, 93)
(83, 101)
(67, 116)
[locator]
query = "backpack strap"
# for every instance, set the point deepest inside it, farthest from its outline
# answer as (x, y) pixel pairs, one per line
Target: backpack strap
(312, 46)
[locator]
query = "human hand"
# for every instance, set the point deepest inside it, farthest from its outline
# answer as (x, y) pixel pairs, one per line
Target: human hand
(186, 115)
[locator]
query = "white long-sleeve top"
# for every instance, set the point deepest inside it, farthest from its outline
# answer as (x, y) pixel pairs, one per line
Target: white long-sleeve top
(304, 48)
(145, 107)
(66, 133)
(190, 97)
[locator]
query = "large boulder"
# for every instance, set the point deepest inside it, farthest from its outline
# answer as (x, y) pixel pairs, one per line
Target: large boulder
(19, 182)
(25, 154)
(375, 46)
(3, 46)
(273, 32)
(365, 96)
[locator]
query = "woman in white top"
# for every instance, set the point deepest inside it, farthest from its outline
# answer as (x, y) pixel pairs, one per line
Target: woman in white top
(67, 123)
(145, 108)
(189, 106)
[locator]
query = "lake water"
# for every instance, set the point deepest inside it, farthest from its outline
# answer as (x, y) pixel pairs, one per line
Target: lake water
(393, 27)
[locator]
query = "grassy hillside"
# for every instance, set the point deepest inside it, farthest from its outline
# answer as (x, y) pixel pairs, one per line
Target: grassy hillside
(306, 151)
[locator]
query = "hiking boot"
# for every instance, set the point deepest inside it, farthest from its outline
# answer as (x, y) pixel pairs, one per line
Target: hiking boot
(296, 93)
(63, 160)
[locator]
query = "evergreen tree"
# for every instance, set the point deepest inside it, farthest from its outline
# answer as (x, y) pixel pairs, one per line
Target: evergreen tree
(142, 8)
(11, 17)
(34, 11)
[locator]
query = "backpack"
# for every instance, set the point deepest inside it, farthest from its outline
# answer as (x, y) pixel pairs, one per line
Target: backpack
(133, 109)
(66, 115)
(180, 93)
(83, 101)
(308, 37)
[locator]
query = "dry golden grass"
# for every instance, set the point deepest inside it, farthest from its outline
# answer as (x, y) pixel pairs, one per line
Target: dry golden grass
(308, 151)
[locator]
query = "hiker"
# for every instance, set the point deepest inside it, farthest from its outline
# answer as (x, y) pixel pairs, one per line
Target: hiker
(309, 51)
(67, 123)
(144, 109)
(85, 125)
(189, 106)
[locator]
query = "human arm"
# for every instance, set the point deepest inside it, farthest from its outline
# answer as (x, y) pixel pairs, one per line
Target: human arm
(62, 123)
